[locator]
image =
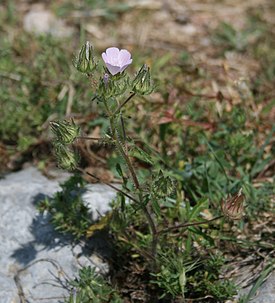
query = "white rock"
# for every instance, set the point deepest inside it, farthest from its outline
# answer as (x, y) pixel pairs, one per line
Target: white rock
(95, 198)
(41, 21)
(30, 248)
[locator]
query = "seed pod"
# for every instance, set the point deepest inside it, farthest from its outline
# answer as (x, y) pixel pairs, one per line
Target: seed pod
(66, 157)
(233, 207)
(84, 61)
(65, 131)
(162, 186)
(142, 84)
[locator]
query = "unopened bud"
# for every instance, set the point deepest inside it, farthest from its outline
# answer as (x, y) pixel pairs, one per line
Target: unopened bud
(66, 158)
(65, 131)
(142, 84)
(106, 79)
(233, 207)
(163, 186)
(85, 62)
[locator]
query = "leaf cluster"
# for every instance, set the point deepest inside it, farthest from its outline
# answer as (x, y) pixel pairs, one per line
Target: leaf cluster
(69, 214)
(92, 287)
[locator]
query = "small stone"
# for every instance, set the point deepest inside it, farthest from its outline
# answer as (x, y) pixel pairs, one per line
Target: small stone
(41, 21)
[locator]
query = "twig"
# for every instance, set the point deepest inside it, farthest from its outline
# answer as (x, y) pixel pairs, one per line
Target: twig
(108, 184)
(153, 229)
(17, 279)
(122, 104)
(10, 76)
(70, 99)
(20, 290)
(218, 96)
(88, 138)
(188, 224)
(126, 158)
(265, 169)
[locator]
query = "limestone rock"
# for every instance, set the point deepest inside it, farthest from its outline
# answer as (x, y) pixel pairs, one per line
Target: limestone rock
(34, 258)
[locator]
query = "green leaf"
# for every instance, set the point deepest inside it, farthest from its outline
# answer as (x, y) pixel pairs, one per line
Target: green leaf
(257, 166)
(156, 207)
(266, 271)
(197, 231)
(200, 206)
(188, 244)
(141, 155)
(119, 170)
(182, 280)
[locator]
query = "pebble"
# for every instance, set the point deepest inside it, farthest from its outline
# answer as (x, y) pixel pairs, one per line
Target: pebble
(41, 21)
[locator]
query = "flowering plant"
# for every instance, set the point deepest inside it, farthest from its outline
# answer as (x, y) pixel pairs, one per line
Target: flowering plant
(139, 224)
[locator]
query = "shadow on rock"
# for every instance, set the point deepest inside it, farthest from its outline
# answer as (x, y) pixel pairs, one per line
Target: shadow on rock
(44, 237)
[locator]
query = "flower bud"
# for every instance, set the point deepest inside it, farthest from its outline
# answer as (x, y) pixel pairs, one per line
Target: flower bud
(65, 131)
(85, 62)
(233, 207)
(162, 186)
(66, 158)
(106, 79)
(142, 84)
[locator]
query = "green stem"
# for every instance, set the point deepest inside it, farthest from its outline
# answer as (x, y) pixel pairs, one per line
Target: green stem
(123, 153)
(109, 184)
(122, 104)
(168, 229)
(126, 158)
(154, 231)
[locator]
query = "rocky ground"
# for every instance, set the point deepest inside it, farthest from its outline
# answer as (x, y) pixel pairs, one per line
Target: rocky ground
(36, 262)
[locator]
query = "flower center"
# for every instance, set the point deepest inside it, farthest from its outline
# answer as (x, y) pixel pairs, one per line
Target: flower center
(115, 61)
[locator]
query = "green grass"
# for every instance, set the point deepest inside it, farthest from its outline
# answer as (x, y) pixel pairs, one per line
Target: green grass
(37, 82)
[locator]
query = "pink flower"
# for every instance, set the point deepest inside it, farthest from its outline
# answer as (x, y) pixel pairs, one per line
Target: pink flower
(116, 60)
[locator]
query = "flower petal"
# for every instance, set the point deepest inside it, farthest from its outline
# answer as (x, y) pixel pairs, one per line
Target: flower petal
(124, 57)
(104, 57)
(112, 51)
(112, 54)
(113, 69)
(125, 65)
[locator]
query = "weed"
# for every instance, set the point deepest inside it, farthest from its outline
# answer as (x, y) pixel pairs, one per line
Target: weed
(69, 214)
(92, 287)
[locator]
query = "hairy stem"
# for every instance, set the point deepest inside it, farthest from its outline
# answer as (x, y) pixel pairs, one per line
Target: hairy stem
(88, 138)
(109, 184)
(168, 229)
(126, 158)
(123, 154)
(154, 231)
(123, 103)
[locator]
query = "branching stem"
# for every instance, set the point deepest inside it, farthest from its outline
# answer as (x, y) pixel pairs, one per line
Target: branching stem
(88, 138)
(123, 103)
(129, 164)
(109, 184)
(168, 229)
